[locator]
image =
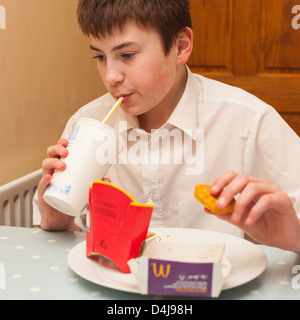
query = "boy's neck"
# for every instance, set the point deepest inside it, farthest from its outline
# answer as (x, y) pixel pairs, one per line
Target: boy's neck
(158, 116)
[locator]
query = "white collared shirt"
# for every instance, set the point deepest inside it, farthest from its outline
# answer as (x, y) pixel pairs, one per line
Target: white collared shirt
(222, 128)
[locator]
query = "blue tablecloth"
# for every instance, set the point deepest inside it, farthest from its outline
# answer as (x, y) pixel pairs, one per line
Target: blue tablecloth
(34, 266)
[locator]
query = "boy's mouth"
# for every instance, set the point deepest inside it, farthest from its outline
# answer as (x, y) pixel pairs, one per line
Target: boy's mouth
(125, 96)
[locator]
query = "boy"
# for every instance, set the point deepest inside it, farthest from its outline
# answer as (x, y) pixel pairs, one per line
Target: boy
(182, 129)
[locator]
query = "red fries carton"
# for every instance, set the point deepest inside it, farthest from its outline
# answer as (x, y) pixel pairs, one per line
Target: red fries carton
(117, 224)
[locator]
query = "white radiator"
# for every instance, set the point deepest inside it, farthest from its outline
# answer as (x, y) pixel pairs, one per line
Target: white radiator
(16, 200)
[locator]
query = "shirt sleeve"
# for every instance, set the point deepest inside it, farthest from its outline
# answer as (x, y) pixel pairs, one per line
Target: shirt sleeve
(275, 153)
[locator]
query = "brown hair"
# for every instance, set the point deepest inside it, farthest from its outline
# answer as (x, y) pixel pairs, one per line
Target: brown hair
(168, 17)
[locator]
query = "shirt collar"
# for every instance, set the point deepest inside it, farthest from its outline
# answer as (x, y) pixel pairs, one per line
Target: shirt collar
(184, 117)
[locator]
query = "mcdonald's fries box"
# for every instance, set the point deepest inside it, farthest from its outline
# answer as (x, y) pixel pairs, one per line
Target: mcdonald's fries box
(117, 224)
(118, 229)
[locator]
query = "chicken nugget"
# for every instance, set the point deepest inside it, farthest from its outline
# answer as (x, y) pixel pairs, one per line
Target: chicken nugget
(203, 195)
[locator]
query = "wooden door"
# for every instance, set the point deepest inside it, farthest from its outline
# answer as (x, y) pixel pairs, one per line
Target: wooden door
(254, 45)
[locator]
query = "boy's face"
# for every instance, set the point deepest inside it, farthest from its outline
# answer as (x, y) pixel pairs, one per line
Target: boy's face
(132, 63)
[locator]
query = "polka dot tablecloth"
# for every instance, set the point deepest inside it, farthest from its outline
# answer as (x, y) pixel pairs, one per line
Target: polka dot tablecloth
(34, 266)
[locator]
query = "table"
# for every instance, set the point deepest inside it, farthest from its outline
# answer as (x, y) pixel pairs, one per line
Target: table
(36, 268)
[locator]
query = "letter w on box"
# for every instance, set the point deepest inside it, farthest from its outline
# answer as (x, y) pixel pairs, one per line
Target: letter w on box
(162, 270)
(118, 224)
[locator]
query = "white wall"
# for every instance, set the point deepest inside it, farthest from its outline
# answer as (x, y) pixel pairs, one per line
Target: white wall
(46, 74)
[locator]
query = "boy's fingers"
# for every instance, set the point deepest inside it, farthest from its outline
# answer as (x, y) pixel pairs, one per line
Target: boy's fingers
(249, 197)
(266, 202)
(57, 151)
(256, 198)
(234, 187)
(231, 184)
(52, 164)
(63, 142)
(221, 182)
(252, 193)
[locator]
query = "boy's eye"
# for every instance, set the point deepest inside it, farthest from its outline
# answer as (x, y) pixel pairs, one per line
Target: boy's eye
(100, 57)
(124, 56)
(127, 56)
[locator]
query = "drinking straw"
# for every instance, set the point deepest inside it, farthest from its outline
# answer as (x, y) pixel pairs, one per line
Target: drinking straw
(113, 109)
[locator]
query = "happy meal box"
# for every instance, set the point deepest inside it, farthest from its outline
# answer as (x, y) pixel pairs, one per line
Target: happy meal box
(117, 224)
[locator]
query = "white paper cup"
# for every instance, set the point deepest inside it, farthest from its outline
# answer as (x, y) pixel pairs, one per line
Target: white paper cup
(93, 147)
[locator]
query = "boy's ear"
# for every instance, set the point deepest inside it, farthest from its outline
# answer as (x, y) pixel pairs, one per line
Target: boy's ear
(185, 45)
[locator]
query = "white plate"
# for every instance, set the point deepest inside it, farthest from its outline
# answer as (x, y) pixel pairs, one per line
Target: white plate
(248, 260)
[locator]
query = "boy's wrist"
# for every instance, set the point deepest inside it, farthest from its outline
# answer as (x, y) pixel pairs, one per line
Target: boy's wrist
(61, 222)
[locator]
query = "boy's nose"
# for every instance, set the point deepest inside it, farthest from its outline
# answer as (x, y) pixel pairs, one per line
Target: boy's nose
(113, 75)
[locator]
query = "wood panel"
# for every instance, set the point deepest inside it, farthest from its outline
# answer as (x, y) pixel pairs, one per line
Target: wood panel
(250, 44)
(280, 42)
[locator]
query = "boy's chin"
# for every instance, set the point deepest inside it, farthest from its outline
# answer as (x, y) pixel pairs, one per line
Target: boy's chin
(131, 110)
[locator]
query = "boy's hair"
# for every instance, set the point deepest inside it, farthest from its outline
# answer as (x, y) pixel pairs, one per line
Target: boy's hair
(168, 17)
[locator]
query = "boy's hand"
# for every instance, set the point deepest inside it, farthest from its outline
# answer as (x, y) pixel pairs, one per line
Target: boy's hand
(262, 210)
(52, 219)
